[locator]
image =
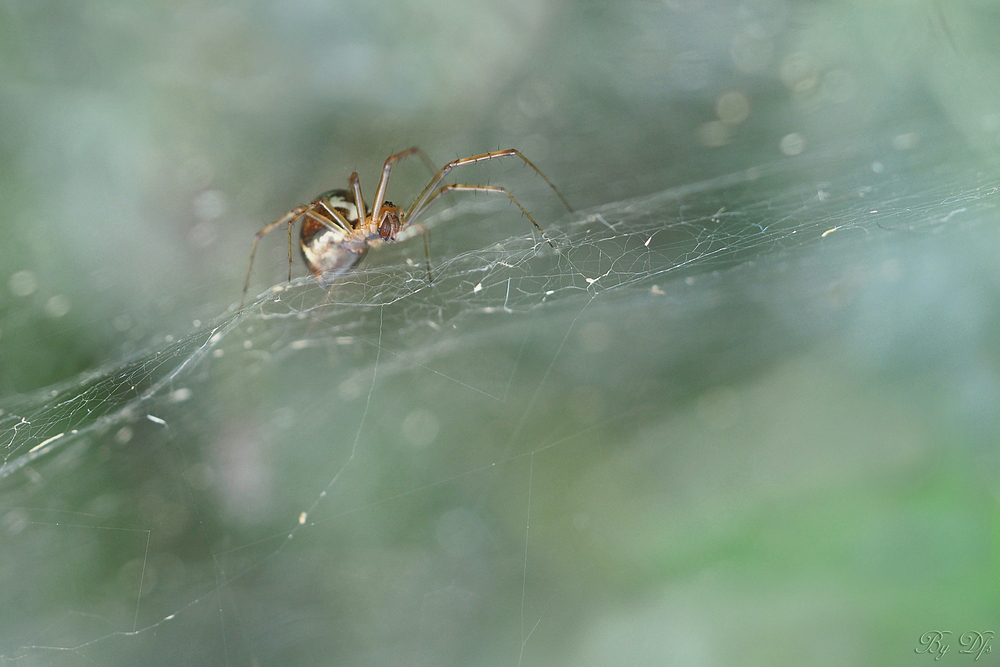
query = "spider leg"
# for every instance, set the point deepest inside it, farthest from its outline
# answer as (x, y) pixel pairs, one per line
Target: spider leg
(358, 199)
(427, 249)
(326, 223)
(428, 192)
(345, 225)
(289, 251)
(383, 181)
(431, 167)
(477, 188)
(289, 218)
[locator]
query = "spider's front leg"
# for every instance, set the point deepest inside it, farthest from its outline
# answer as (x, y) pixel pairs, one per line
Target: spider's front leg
(383, 181)
(482, 188)
(425, 196)
(359, 201)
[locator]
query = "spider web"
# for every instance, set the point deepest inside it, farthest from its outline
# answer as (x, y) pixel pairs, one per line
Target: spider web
(379, 474)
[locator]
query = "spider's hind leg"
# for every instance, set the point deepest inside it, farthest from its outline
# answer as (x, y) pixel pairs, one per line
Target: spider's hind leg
(289, 219)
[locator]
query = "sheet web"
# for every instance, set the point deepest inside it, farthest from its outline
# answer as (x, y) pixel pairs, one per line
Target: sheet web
(178, 477)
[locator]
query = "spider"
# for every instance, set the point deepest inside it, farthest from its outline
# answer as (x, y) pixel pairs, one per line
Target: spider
(338, 228)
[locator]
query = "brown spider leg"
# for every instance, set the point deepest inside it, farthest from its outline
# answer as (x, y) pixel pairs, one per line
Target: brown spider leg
(356, 183)
(383, 181)
(336, 215)
(288, 218)
(358, 199)
(431, 167)
(480, 188)
(427, 249)
(425, 196)
(290, 250)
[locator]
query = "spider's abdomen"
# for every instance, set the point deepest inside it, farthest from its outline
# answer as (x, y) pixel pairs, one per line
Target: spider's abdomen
(327, 249)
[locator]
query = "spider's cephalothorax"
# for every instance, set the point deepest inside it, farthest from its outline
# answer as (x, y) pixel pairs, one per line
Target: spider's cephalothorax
(337, 229)
(389, 221)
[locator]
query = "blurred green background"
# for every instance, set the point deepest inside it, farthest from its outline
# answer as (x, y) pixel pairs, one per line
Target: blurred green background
(746, 413)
